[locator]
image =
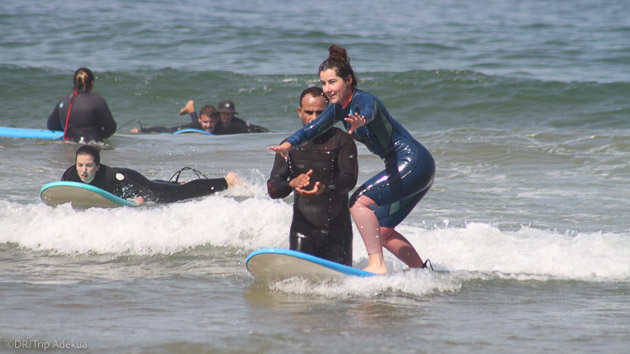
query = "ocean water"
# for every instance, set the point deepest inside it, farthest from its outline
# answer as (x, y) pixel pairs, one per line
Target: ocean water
(524, 106)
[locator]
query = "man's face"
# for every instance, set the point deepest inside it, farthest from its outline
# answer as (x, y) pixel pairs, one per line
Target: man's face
(208, 123)
(226, 117)
(311, 107)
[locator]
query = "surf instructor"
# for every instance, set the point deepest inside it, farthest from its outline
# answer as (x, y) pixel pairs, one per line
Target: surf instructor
(320, 174)
(131, 185)
(383, 201)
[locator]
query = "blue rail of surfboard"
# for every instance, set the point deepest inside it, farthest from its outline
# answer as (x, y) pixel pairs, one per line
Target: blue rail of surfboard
(91, 188)
(323, 262)
(30, 133)
(191, 130)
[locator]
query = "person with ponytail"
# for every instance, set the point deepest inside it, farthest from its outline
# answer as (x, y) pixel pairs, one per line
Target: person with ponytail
(386, 199)
(83, 116)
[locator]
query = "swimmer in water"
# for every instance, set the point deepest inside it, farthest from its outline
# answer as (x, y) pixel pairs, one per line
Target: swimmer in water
(83, 116)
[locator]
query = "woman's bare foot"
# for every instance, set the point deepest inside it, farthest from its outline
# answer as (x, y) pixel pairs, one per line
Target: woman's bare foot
(189, 108)
(376, 264)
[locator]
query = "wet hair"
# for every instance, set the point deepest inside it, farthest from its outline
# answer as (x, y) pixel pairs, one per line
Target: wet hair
(83, 79)
(90, 150)
(209, 111)
(314, 91)
(338, 60)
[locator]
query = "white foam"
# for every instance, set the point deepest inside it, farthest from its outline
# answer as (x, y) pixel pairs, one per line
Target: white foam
(258, 222)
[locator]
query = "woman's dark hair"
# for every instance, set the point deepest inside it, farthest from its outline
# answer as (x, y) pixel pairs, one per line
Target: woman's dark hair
(90, 150)
(338, 60)
(314, 91)
(83, 79)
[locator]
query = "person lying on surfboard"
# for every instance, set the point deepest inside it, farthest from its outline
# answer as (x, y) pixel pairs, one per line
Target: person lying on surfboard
(320, 173)
(131, 185)
(208, 120)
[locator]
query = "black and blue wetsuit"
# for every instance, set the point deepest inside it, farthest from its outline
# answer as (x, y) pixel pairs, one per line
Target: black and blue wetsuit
(129, 184)
(409, 166)
(89, 120)
(321, 225)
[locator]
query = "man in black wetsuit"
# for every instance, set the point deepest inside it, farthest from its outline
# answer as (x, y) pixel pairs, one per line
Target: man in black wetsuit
(231, 124)
(129, 184)
(83, 116)
(208, 120)
(321, 173)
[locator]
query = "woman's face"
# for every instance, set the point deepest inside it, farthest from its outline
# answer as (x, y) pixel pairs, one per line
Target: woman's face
(335, 88)
(86, 167)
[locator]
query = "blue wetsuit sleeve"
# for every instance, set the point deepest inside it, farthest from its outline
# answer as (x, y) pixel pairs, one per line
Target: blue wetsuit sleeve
(324, 122)
(365, 105)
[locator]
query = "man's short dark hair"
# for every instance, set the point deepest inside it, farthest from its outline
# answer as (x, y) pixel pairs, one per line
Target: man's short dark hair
(313, 91)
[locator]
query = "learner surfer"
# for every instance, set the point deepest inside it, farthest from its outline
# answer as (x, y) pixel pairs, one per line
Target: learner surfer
(383, 201)
(208, 120)
(320, 173)
(83, 115)
(129, 184)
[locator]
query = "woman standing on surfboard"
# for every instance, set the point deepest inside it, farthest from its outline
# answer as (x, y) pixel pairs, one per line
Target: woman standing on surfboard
(83, 116)
(384, 200)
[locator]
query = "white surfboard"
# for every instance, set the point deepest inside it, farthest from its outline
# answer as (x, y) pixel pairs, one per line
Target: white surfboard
(279, 264)
(80, 195)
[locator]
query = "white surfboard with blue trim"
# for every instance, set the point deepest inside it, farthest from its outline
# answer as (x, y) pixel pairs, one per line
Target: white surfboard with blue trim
(280, 263)
(80, 195)
(31, 133)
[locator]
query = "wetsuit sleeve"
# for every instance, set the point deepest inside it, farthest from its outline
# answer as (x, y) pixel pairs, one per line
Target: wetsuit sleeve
(365, 105)
(108, 124)
(348, 165)
(278, 183)
(53, 122)
(71, 174)
(324, 122)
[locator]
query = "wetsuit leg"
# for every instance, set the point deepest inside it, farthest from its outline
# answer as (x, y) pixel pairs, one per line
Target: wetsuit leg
(332, 242)
(404, 182)
(168, 192)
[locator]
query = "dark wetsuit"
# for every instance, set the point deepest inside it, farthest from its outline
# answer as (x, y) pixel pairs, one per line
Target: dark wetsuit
(409, 166)
(239, 126)
(194, 124)
(321, 225)
(90, 118)
(129, 184)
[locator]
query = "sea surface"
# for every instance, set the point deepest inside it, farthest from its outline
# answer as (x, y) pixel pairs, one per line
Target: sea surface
(525, 106)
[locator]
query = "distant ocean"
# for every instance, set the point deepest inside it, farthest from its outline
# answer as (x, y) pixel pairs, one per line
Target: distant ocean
(524, 105)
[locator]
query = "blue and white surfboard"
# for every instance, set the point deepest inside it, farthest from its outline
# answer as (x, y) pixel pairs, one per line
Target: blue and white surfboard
(80, 195)
(31, 133)
(279, 263)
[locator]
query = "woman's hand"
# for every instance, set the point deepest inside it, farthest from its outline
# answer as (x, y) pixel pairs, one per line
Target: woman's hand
(282, 149)
(356, 121)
